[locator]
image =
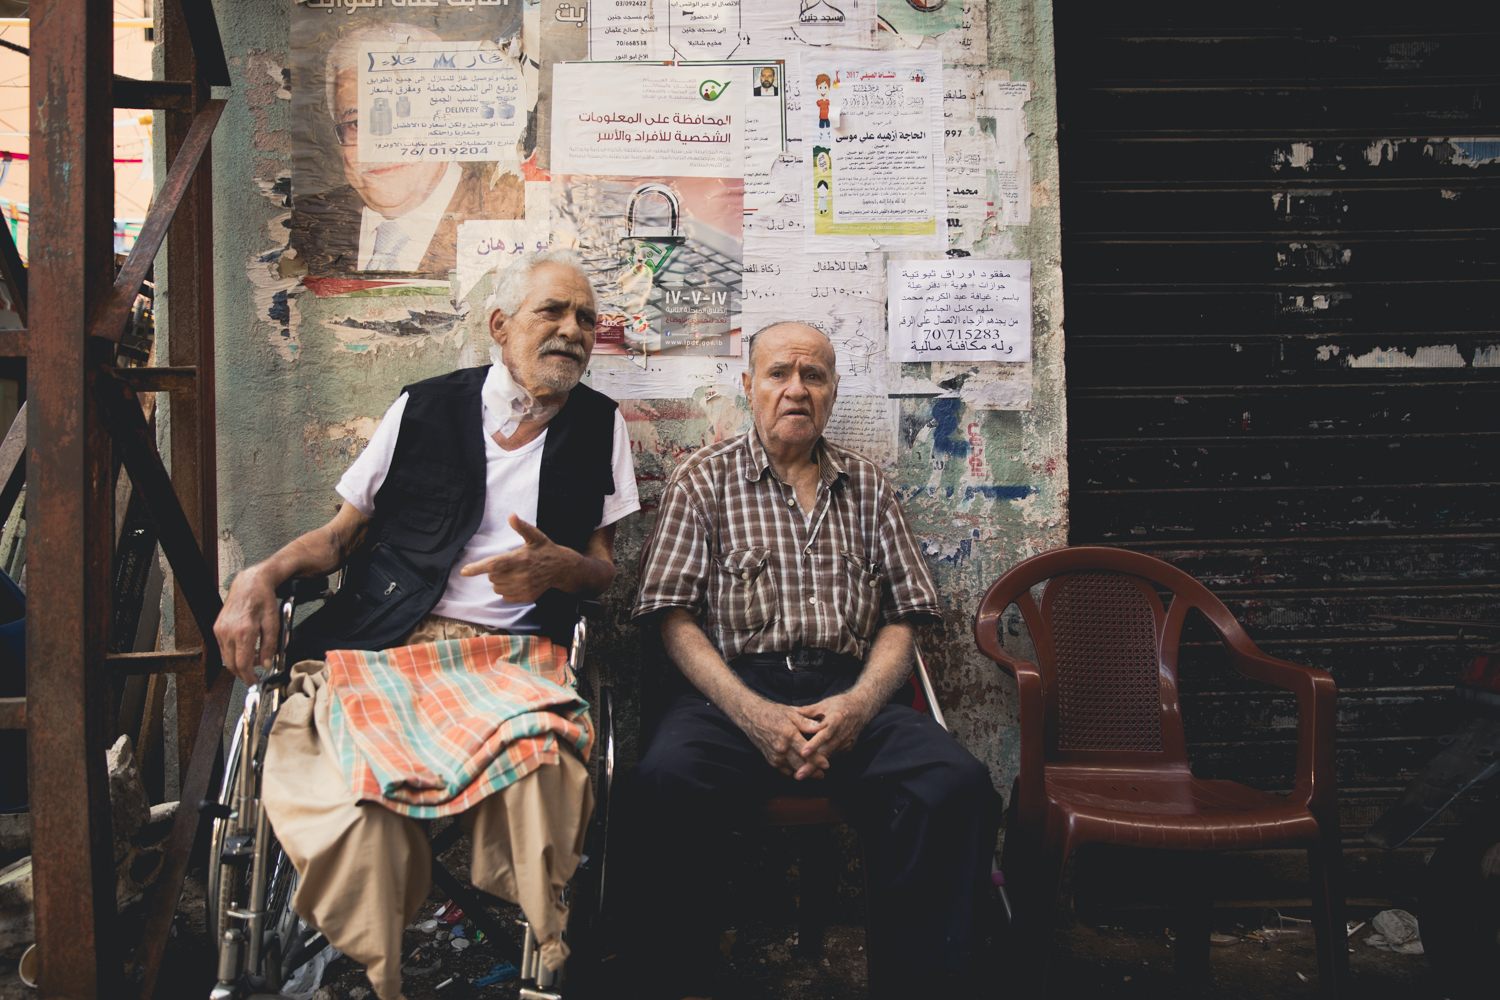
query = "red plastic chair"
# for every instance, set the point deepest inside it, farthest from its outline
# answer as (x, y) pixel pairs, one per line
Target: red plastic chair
(1103, 759)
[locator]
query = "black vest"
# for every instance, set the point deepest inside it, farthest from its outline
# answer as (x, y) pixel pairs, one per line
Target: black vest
(432, 502)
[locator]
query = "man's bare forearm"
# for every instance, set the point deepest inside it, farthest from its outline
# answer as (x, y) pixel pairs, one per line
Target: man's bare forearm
(689, 648)
(888, 665)
(321, 550)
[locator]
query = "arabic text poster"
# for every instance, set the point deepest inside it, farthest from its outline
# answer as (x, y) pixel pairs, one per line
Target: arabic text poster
(438, 100)
(873, 141)
(687, 121)
(625, 31)
(970, 310)
(486, 245)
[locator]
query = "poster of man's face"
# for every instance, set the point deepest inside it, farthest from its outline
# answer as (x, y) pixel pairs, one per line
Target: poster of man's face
(406, 122)
(765, 82)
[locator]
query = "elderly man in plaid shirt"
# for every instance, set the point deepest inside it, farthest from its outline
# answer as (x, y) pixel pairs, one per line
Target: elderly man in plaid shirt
(788, 587)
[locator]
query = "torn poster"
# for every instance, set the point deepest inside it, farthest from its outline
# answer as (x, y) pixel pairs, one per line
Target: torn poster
(771, 25)
(866, 424)
(873, 144)
(920, 17)
(1002, 107)
(437, 100)
(486, 245)
(960, 32)
(399, 215)
(647, 185)
(560, 38)
(840, 294)
(674, 378)
(970, 155)
(972, 310)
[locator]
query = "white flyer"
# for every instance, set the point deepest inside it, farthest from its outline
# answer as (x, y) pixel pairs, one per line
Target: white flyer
(438, 100)
(968, 310)
(684, 121)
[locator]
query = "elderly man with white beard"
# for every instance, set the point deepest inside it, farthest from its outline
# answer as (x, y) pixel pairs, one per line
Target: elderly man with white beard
(484, 505)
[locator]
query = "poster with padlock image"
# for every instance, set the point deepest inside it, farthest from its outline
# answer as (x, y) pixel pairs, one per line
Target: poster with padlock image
(664, 255)
(648, 167)
(409, 119)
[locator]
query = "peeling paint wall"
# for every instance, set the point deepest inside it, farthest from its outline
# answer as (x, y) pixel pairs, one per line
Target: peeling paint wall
(303, 381)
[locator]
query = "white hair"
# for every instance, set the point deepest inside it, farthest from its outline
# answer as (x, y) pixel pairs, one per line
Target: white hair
(513, 282)
(344, 54)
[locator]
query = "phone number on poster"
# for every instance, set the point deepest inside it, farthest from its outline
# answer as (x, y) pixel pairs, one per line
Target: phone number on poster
(448, 151)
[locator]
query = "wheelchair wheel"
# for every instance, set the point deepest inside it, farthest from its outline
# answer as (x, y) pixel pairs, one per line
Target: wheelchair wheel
(587, 932)
(228, 884)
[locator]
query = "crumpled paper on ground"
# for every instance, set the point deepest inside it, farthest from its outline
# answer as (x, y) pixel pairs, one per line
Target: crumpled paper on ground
(1395, 930)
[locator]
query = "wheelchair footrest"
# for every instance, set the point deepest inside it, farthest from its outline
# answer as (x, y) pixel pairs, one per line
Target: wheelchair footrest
(535, 993)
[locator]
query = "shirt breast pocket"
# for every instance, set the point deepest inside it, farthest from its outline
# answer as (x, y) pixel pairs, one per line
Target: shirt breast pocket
(861, 603)
(744, 592)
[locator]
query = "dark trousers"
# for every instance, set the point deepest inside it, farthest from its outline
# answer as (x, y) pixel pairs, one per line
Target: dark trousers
(925, 808)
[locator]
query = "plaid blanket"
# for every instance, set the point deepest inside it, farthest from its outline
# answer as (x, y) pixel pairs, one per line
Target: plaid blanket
(430, 730)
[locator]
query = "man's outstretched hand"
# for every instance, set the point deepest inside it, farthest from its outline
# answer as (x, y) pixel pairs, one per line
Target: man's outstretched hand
(522, 575)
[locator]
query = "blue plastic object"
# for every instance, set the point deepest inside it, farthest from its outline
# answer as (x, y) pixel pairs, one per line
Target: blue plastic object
(498, 974)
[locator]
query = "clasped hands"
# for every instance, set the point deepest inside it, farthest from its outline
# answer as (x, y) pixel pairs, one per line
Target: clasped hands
(801, 740)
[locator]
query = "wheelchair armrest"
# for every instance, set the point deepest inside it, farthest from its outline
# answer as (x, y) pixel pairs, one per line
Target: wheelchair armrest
(592, 610)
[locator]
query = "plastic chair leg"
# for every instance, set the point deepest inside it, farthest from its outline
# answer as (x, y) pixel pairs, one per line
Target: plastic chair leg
(1325, 868)
(1194, 919)
(818, 879)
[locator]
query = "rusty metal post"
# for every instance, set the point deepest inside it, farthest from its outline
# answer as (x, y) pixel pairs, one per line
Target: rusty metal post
(68, 499)
(189, 295)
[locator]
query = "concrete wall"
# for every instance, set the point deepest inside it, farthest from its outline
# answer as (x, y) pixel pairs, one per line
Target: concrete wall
(303, 381)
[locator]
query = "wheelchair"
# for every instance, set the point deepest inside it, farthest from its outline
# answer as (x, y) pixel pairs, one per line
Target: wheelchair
(251, 882)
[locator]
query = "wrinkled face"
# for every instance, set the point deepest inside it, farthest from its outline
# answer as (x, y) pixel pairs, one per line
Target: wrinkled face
(793, 386)
(768, 77)
(548, 340)
(391, 189)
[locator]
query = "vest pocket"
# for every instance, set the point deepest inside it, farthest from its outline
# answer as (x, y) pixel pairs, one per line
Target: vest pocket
(422, 511)
(744, 590)
(388, 581)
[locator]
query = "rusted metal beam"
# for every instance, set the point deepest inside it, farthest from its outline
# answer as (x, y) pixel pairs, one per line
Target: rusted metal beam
(13, 462)
(159, 379)
(68, 493)
(140, 978)
(12, 713)
(13, 342)
(174, 95)
(178, 661)
(149, 476)
(108, 320)
(208, 47)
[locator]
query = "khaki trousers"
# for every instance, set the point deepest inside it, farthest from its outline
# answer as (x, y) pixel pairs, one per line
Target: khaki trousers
(366, 869)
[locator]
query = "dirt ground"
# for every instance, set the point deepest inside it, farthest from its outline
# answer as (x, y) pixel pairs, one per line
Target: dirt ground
(761, 960)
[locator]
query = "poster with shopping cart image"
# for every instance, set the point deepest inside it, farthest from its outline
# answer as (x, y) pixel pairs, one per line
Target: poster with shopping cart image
(648, 165)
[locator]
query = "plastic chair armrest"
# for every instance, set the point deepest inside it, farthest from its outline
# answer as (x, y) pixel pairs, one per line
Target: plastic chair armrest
(1317, 719)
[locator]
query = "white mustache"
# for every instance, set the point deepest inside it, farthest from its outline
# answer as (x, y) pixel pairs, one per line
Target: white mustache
(567, 347)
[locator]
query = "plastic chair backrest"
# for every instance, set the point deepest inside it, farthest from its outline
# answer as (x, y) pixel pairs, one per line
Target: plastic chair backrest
(1106, 650)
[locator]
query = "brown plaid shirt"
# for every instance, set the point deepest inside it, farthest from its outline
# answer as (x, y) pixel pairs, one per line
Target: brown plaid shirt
(731, 546)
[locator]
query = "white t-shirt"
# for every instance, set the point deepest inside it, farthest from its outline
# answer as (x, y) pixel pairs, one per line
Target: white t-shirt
(512, 480)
